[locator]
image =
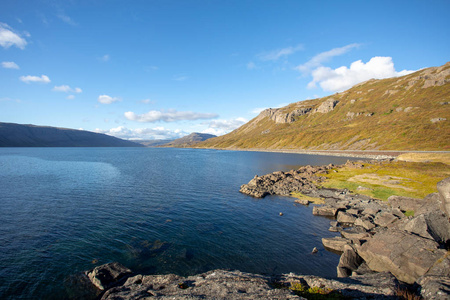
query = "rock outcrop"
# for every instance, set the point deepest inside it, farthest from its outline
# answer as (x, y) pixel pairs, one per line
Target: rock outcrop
(280, 116)
(224, 284)
(108, 275)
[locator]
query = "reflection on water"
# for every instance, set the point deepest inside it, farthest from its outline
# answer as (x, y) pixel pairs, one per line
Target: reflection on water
(67, 210)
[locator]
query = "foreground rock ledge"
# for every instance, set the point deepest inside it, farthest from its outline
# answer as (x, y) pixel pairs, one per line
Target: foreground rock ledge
(223, 284)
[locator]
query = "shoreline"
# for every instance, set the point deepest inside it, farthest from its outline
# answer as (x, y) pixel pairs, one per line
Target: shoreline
(364, 154)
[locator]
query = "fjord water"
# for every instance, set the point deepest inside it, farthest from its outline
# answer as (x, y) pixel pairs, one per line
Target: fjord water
(155, 210)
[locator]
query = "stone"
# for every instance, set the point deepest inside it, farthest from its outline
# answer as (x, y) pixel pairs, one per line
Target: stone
(368, 286)
(364, 222)
(434, 287)
(370, 211)
(384, 219)
(443, 188)
(348, 262)
(354, 235)
(435, 120)
(405, 255)
(335, 244)
(215, 284)
(345, 218)
(327, 106)
(325, 211)
(302, 201)
(405, 203)
(314, 250)
(433, 225)
(108, 275)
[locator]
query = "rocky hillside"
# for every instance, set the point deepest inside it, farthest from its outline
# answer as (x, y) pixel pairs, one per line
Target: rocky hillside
(18, 135)
(403, 113)
(189, 140)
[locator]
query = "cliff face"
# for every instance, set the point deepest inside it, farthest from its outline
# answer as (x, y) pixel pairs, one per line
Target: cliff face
(18, 135)
(403, 113)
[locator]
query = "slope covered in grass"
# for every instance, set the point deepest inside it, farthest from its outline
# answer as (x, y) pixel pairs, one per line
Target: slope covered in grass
(403, 113)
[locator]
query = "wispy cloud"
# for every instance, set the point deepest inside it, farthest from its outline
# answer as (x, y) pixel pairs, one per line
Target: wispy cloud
(320, 58)
(66, 19)
(167, 116)
(251, 66)
(8, 37)
(143, 133)
(105, 99)
(66, 89)
(342, 78)
(29, 79)
(147, 101)
(10, 65)
(7, 99)
(221, 127)
(278, 53)
(70, 97)
(105, 58)
(181, 78)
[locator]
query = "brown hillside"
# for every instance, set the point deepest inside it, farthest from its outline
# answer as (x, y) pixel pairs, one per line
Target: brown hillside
(403, 113)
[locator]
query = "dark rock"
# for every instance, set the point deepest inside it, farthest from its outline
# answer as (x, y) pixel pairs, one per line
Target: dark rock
(335, 244)
(108, 275)
(325, 211)
(443, 188)
(405, 203)
(434, 287)
(365, 222)
(405, 255)
(346, 218)
(384, 218)
(217, 284)
(433, 225)
(349, 262)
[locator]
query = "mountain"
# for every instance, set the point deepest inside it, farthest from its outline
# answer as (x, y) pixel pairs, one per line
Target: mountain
(153, 143)
(411, 112)
(18, 135)
(189, 140)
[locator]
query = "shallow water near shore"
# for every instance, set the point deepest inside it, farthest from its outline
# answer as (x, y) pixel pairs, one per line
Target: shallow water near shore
(155, 210)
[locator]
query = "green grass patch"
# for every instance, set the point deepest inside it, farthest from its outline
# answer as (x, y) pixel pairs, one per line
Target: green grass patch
(314, 200)
(315, 293)
(409, 213)
(409, 179)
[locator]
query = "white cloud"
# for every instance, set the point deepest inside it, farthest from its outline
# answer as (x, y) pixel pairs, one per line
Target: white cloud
(147, 101)
(70, 97)
(66, 89)
(10, 65)
(10, 38)
(66, 19)
(181, 78)
(251, 66)
(320, 58)
(143, 133)
(29, 78)
(167, 116)
(221, 127)
(343, 78)
(62, 88)
(105, 99)
(278, 53)
(105, 58)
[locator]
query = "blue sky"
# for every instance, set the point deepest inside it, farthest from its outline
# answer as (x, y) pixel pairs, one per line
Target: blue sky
(164, 69)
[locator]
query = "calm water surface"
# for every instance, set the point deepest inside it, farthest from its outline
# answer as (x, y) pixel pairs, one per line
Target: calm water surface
(66, 210)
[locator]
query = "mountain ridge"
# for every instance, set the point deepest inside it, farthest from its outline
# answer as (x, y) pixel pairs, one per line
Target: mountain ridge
(410, 112)
(29, 135)
(189, 140)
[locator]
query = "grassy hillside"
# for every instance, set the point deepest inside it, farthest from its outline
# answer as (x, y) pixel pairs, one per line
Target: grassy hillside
(403, 113)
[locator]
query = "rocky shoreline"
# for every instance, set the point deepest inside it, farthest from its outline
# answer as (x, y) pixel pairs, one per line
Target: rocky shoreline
(382, 250)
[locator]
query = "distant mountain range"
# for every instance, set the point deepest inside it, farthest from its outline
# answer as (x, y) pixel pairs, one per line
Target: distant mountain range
(18, 135)
(189, 140)
(411, 112)
(153, 143)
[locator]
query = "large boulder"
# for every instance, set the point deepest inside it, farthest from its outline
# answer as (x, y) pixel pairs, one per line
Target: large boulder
(335, 244)
(443, 188)
(108, 275)
(349, 262)
(405, 255)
